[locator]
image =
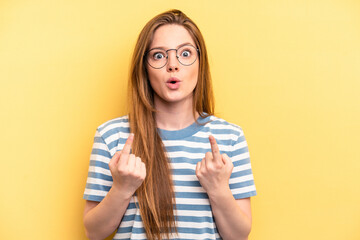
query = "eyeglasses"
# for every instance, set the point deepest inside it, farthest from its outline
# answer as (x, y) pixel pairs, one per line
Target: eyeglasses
(158, 57)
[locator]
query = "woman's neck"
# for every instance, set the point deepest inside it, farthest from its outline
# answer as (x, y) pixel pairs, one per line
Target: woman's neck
(175, 116)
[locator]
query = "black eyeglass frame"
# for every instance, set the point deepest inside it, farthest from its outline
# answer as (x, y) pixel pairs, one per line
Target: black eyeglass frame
(167, 56)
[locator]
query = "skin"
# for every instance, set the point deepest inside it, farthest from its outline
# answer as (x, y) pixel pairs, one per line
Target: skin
(232, 217)
(128, 172)
(174, 112)
(174, 107)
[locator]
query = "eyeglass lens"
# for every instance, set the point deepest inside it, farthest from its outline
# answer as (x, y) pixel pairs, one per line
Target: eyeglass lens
(157, 57)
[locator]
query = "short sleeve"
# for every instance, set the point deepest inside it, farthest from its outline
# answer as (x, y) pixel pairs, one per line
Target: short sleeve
(242, 180)
(99, 180)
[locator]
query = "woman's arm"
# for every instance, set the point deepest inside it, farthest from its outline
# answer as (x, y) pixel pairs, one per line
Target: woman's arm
(128, 173)
(102, 219)
(232, 217)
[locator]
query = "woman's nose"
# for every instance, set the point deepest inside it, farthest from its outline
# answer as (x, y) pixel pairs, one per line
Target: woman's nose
(173, 62)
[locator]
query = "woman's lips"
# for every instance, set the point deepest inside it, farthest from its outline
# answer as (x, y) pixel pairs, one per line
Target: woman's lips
(173, 83)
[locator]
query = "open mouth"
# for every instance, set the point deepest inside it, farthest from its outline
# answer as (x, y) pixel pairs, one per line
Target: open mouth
(173, 80)
(173, 83)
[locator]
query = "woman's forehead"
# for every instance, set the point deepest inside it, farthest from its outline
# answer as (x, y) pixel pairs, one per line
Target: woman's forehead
(171, 36)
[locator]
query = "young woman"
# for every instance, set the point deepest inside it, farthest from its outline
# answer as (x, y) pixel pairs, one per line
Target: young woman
(169, 169)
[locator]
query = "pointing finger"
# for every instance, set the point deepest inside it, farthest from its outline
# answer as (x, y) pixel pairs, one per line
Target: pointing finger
(214, 149)
(128, 143)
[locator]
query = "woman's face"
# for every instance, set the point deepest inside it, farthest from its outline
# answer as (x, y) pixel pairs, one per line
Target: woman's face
(173, 83)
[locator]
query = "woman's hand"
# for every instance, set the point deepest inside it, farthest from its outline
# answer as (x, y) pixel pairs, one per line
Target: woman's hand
(214, 170)
(127, 170)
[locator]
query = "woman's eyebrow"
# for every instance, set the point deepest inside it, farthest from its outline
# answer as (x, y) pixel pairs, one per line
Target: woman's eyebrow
(183, 44)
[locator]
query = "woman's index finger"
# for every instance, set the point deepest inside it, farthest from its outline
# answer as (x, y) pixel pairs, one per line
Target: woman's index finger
(214, 148)
(128, 143)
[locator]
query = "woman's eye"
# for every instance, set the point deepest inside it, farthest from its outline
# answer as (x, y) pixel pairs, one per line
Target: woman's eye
(186, 53)
(158, 56)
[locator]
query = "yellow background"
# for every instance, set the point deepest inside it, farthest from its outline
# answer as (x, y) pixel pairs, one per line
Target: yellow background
(288, 72)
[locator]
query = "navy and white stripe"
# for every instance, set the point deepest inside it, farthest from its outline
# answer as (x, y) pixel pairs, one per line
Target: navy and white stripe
(184, 148)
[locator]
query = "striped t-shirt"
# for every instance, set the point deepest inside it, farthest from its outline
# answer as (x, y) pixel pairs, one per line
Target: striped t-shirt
(185, 147)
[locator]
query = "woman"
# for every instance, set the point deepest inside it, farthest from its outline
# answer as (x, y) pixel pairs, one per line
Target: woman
(159, 173)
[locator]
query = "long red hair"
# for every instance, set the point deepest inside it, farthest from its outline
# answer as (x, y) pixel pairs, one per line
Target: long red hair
(156, 195)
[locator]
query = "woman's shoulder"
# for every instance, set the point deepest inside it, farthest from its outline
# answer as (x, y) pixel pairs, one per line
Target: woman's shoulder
(221, 124)
(119, 124)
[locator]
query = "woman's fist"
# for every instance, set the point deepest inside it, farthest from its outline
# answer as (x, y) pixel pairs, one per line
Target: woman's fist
(127, 170)
(214, 170)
